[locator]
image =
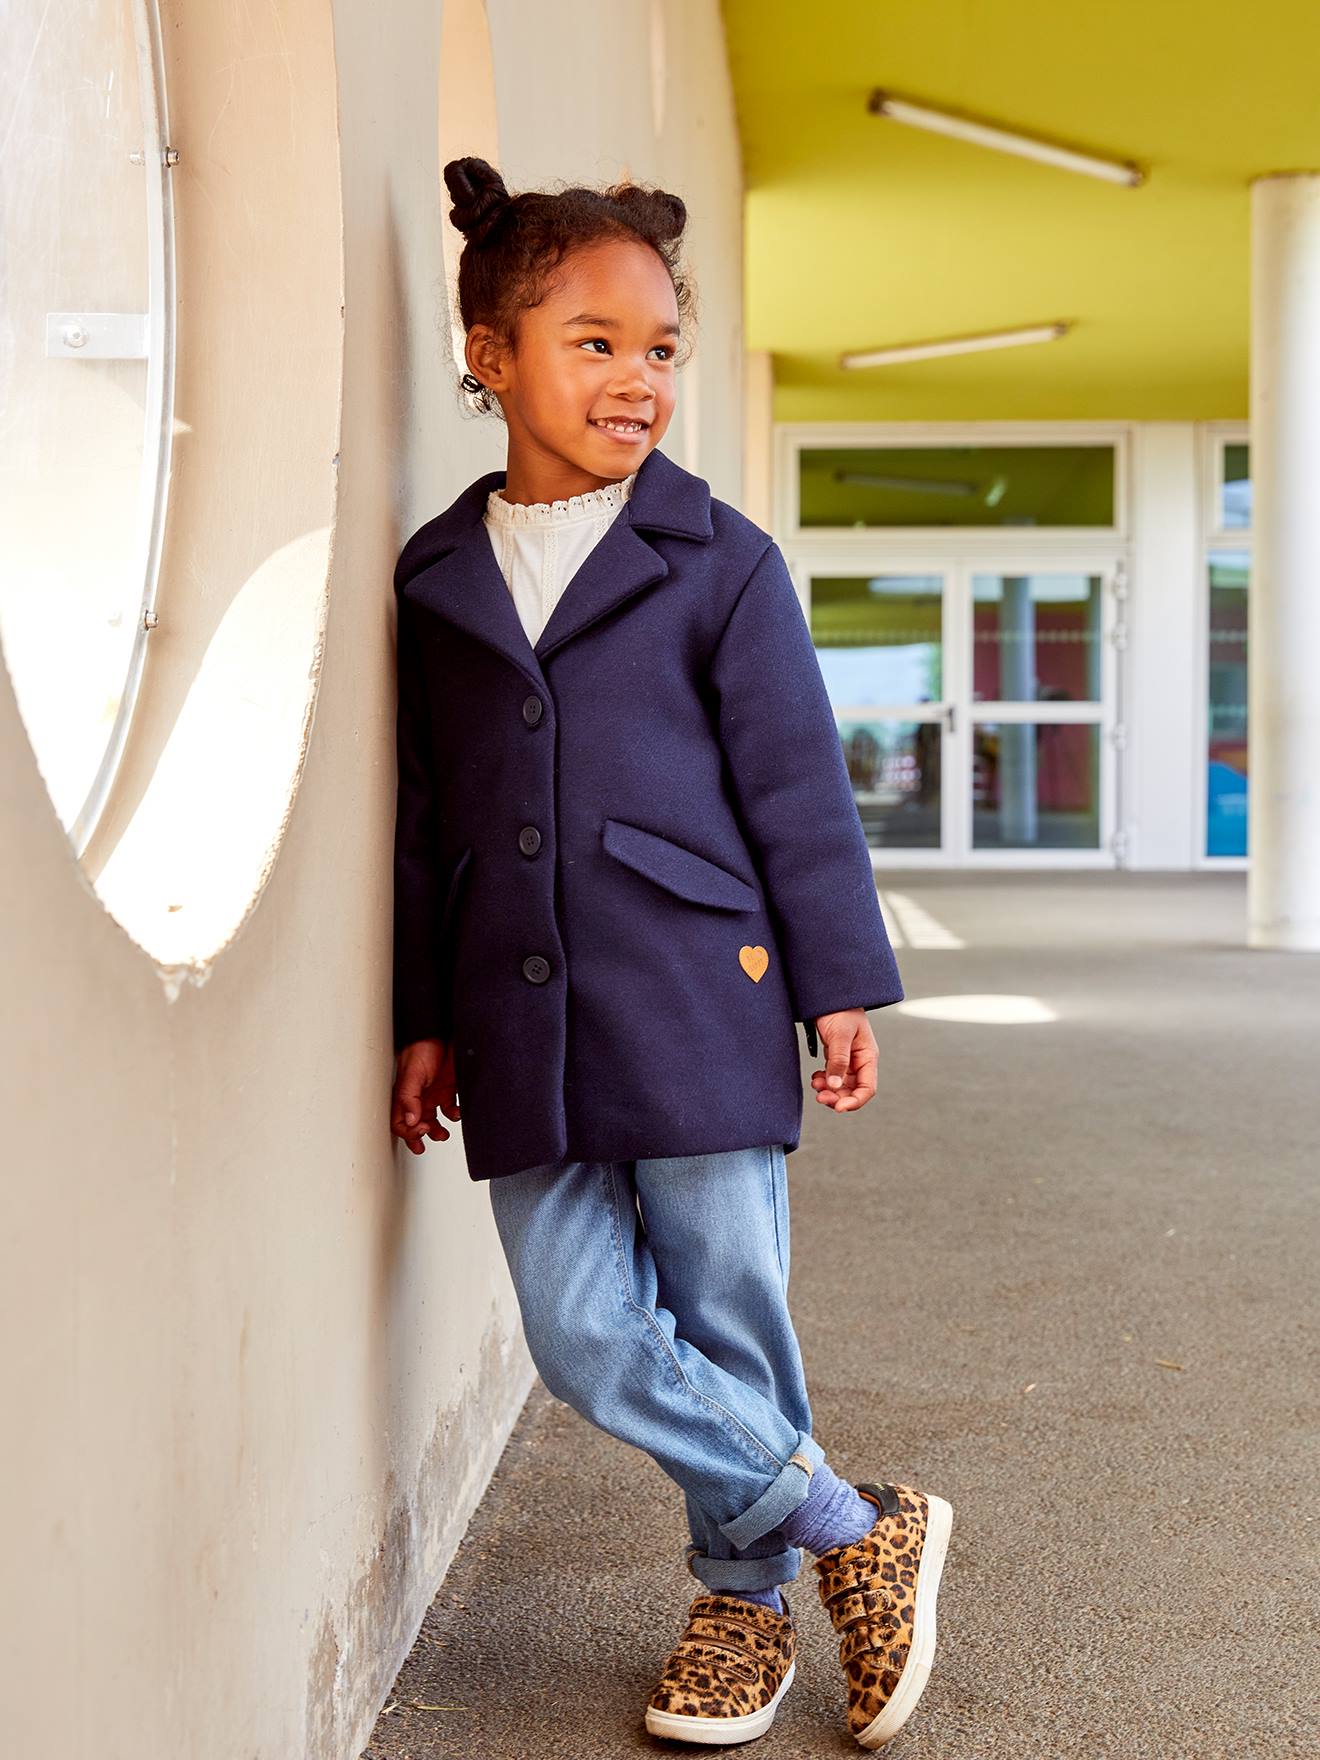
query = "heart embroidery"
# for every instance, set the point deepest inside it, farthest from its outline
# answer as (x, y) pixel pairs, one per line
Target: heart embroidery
(753, 961)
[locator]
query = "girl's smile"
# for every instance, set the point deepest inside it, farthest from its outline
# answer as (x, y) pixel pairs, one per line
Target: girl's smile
(628, 429)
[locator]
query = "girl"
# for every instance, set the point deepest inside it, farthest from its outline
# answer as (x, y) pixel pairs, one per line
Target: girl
(627, 861)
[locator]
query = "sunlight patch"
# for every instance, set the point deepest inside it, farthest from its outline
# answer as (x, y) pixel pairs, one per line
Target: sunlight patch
(981, 1010)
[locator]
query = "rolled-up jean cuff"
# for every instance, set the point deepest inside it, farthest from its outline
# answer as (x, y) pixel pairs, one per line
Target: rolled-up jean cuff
(780, 1498)
(744, 1573)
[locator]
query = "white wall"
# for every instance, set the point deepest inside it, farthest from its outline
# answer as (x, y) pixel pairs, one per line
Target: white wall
(1164, 766)
(259, 1360)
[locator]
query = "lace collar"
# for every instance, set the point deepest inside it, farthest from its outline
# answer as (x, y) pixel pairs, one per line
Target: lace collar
(605, 500)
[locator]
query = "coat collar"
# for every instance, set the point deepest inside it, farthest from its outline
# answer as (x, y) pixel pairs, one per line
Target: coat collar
(449, 565)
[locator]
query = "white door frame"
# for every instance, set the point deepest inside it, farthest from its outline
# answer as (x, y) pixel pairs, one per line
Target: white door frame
(957, 553)
(1211, 439)
(956, 712)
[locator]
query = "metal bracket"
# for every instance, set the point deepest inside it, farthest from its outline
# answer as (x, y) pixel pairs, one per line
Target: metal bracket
(97, 336)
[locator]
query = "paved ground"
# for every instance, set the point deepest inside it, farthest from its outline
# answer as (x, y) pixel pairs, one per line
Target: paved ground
(1064, 1273)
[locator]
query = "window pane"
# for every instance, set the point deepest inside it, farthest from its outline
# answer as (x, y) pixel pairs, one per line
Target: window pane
(76, 242)
(1235, 492)
(76, 402)
(895, 771)
(879, 640)
(1035, 785)
(957, 486)
(1226, 756)
(1036, 638)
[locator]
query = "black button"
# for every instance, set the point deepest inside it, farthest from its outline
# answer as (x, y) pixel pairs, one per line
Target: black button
(533, 708)
(529, 840)
(536, 969)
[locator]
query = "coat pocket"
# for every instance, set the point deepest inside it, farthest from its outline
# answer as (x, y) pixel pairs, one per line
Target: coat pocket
(680, 870)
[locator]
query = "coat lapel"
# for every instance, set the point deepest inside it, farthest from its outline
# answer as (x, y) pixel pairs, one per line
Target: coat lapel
(449, 566)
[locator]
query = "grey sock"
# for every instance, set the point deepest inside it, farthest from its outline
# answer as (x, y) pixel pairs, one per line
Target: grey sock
(767, 1597)
(834, 1513)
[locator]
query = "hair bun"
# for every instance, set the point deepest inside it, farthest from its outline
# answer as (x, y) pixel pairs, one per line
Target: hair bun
(657, 213)
(480, 196)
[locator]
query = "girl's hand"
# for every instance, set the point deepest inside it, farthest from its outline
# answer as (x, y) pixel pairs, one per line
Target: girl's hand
(423, 1082)
(851, 1054)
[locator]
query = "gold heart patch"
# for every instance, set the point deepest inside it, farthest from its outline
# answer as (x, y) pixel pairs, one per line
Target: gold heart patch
(753, 961)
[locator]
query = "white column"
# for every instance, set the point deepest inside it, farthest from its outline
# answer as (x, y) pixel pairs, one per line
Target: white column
(1283, 892)
(1162, 763)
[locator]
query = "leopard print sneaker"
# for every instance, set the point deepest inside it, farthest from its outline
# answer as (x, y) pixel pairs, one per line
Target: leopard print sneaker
(879, 1592)
(723, 1680)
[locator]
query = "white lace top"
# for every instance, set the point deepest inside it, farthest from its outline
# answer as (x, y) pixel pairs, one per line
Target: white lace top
(540, 545)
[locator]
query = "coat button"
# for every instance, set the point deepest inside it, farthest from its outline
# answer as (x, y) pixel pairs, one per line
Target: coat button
(529, 840)
(536, 969)
(533, 708)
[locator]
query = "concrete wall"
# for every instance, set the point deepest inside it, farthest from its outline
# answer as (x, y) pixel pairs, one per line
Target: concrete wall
(259, 1360)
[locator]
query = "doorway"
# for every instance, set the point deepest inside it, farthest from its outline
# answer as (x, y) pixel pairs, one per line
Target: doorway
(978, 702)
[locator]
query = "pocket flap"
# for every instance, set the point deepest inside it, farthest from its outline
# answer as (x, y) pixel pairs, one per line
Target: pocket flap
(678, 869)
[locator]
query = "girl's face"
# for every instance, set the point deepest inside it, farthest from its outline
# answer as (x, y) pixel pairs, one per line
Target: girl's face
(588, 388)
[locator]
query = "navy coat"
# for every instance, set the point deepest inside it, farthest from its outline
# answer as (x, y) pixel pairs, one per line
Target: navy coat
(627, 860)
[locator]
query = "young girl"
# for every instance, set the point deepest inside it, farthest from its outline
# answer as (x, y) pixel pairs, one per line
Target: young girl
(627, 862)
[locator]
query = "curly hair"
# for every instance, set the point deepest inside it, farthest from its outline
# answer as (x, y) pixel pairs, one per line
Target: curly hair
(514, 243)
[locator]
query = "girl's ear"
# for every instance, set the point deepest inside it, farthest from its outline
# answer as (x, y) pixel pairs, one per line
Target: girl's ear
(485, 356)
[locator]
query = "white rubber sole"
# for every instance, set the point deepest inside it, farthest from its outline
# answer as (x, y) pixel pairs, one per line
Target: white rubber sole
(916, 1670)
(714, 1730)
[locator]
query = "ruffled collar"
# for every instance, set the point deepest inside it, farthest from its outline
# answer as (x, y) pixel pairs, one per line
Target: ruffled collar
(607, 499)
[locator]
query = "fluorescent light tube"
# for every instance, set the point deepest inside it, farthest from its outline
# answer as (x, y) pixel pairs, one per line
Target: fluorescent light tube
(927, 351)
(1003, 140)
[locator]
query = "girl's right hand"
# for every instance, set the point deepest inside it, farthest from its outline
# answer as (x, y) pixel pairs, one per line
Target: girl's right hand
(423, 1083)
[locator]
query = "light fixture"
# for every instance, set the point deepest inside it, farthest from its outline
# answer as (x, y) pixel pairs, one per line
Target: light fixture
(1003, 140)
(926, 351)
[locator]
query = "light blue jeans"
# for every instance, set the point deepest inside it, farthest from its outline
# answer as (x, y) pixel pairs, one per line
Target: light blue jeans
(654, 1301)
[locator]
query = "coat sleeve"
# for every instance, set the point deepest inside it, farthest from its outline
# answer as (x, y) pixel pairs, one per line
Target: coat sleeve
(420, 999)
(791, 787)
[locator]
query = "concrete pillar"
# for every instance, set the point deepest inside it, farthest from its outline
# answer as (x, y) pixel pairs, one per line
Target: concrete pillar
(1283, 891)
(1017, 741)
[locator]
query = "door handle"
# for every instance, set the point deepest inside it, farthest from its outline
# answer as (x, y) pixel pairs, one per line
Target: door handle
(951, 716)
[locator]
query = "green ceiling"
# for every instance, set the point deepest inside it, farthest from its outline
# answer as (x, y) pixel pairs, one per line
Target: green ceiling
(863, 232)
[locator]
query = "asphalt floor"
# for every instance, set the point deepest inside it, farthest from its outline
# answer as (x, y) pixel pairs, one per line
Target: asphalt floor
(1062, 1271)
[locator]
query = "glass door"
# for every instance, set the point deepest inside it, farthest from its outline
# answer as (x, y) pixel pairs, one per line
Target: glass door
(881, 641)
(977, 704)
(1041, 724)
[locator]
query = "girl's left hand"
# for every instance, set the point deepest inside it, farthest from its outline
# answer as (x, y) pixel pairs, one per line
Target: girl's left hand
(847, 1081)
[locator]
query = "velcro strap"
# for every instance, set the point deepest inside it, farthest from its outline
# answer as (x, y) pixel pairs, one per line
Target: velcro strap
(858, 1574)
(690, 1653)
(724, 1631)
(853, 1604)
(873, 1634)
(748, 1614)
